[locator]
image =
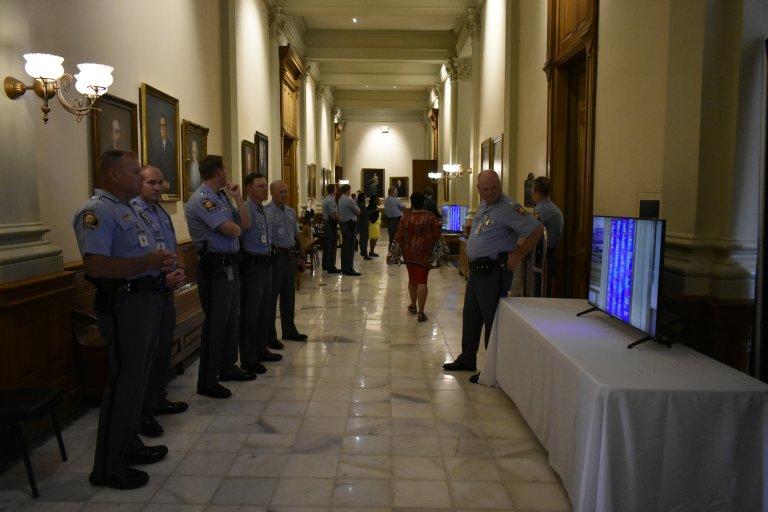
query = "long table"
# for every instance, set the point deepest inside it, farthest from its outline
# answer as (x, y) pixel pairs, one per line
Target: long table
(647, 429)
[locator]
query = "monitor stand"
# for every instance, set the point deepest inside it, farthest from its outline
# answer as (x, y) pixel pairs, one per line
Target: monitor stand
(590, 310)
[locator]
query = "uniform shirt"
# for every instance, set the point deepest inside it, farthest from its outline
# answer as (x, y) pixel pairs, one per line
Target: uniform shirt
(206, 210)
(329, 207)
(109, 227)
(496, 228)
(393, 207)
(158, 223)
(283, 226)
(256, 239)
(348, 209)
(552, 218)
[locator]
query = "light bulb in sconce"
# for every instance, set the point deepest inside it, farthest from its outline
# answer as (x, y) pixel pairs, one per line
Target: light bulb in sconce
(434, 175)
(343, 182)
(93, 79)
(452, 168)
(44, 66)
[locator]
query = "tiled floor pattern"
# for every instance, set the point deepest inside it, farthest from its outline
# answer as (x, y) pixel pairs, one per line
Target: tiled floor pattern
(360, 418)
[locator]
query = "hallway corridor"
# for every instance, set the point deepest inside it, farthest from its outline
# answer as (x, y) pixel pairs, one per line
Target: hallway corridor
(360, 418)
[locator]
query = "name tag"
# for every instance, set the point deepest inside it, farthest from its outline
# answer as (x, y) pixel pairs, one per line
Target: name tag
(160, 245)
(143, 240)
(263, 238)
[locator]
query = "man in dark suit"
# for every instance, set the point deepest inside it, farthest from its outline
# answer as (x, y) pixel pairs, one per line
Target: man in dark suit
(164, 155)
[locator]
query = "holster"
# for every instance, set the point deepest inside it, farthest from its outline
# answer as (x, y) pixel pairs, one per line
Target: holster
(214, 263)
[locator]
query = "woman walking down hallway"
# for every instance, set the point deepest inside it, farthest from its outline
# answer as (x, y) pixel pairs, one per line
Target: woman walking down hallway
(362, 226)
(374, 217)
(417, 235)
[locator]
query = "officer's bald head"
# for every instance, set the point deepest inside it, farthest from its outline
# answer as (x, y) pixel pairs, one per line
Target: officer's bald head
(152, 182)
(119, 173)
(489, 186)
(279, 192)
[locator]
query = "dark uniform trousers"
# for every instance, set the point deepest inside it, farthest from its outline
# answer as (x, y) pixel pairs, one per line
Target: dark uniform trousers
(220, 298)
(362, 233)
(348, 246)
(329, 245)
(284, 289)
(158, 374)
(131, 327)
(255, 314)
(392, 224)
(480, 301)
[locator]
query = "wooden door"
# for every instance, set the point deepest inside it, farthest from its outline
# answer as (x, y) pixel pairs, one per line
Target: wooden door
(420, 179)
(577, 207)
(289, 170)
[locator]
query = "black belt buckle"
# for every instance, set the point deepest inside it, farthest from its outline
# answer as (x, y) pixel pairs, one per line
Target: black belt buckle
(483, 266)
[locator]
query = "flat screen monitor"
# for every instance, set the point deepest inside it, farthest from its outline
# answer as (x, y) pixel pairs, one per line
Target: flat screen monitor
(626, 266)
(454, 217)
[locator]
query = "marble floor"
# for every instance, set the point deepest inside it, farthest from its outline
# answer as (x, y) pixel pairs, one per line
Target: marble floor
(362, 417)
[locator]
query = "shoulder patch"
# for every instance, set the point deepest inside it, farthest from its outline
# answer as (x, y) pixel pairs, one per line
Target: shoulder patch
(90, 220)
(522, 211)
(208, 204)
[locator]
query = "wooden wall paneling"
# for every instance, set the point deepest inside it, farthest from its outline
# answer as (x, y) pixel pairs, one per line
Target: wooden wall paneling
(291, 71)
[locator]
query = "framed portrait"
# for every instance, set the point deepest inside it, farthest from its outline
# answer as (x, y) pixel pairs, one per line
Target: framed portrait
(113, 126)
(485, 155)
(372, 182)
(528, 191)
(497, 154)
(312, 181)
(400, 184)
(262, 154)
(194, 147)
(247, 158)
(160, 137)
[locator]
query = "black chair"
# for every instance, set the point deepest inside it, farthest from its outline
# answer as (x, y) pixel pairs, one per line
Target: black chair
(19, 405)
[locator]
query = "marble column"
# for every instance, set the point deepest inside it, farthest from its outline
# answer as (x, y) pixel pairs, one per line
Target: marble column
(24, 253)
(462, 187)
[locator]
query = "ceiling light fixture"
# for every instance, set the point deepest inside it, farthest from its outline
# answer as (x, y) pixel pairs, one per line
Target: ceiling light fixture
(385, 129)
(354, 20)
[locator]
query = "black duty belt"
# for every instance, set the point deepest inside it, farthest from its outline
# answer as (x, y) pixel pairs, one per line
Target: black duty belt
(486, 266)
(221, 259)
(261, 260)
(138, 285)
(290, 251)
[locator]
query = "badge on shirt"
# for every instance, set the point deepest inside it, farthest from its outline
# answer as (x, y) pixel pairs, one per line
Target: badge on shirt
(263, 238)
(208, 204)
(160, 245)
(143, 240)
(90, 221)
(522, 211)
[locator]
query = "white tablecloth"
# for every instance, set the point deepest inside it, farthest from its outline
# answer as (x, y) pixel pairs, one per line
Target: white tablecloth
(647, 429)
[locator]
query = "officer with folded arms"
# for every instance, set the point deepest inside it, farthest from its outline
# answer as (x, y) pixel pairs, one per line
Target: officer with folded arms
(348, 212)
(493, 254)
(330, 223)
(215, 226)
(128, 268)
(256, 270)
(158, 223)
(284, 234)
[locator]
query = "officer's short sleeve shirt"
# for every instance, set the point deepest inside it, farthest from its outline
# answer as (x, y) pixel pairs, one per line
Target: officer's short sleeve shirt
(283, 226)
(496, 228)
(347, 209)
(552, 218)
(206, 210)
(257, 239)
(329, 207)
(157, 222)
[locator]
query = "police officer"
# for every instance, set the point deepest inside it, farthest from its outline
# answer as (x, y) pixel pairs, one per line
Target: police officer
(393, 209)
(284, 233)
(158, 225)
(493, 253)
(122, 259)
(330, 224)
(552, 218)
(348, 212)
(214, 228)
(256, 280)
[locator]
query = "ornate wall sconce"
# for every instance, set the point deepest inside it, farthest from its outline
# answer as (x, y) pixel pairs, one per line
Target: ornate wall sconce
(343, 182)
(451, 171)
(435, 175)
(92, 81)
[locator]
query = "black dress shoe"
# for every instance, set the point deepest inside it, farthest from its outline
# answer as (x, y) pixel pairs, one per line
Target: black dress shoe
(172, 408)
(129, 478)
(276, 345)
(270, 357)
(146, 455)
(236, 374)
(473, 379)
(354, 273)
(373, 255)
(296, 337)
(335, 271)
(217, 391)
(255, 367)
(458, 366)
(151, 428)
(366, 257)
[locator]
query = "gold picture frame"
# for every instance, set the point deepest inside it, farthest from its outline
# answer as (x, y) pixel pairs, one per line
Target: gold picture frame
(485, 155)
(312, 181)
(247, 158)
(193, 136)
(158, 149)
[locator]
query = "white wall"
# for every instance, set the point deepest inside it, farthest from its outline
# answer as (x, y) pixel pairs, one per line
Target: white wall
(176, 49)
(366, 147)
(632, 51)
(493, 63)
